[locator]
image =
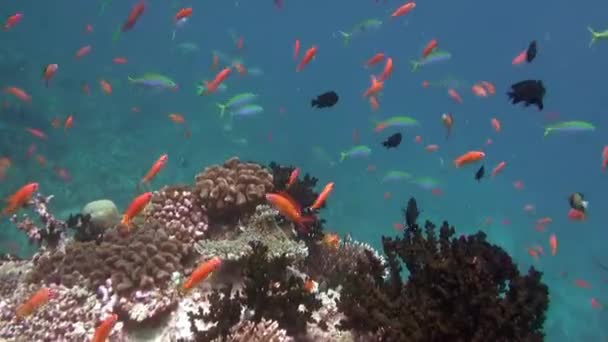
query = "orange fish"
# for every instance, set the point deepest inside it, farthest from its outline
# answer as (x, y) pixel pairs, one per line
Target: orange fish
(138, 204)
(576, 215)
(83, 51)
(102, 332)
(377, 58)
(308, 56)
(327, 190)
(12, 20)
(373, 103)
(553, 244)
(217, 81)
(375, 87)
(48, 72)
(582, 284)
(448, 122)
(520, 58)
(20, 198)
(605, 158)
(454, 95)
(296, 49)
(183, 13)
(432, 148)
(469, 158)
(387, 71)
(240, 68)
(36, 133)
(177, 118)
(155, 169)
(498, 168)
(479, 90)
(69, 121)
(18, 93)
(201, 273)
(404, 9)
(496, 124)
(38, 299)
(119, 60)
(489, 87)
(293, 177)
(105, 87)
(134, 15)
(290, 209)
(430, 47)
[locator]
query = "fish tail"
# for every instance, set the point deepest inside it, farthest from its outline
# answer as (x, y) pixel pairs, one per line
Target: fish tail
(222, 109)
(345, 37)
(415, 65)
(547, 131)
(594, 35)
(130, 79)
(342, 156)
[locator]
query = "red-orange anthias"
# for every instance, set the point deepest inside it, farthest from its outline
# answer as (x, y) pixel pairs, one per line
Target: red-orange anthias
(155, 169)
(102, 332)
(289, 208)
(20, 198)
(38, 299)
(201, 273)
(138, 204)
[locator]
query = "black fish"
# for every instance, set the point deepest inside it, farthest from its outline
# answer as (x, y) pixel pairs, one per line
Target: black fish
(530, 92)
(392, 141)
(531, 52)
(325, 100)
(411, 212)
(480, 173)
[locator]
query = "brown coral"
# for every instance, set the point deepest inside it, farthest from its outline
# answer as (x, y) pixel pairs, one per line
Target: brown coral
(233, 190)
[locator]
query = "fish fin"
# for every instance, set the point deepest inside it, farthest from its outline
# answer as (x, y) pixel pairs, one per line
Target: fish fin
(222, 109)
(345, 37)
(342, 156)
(594, 36)
(415, 65)
(313, 103)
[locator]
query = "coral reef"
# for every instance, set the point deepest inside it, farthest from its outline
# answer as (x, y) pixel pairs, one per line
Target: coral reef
(273, 293)
(262, 331)
(71, 314)
(52, 231)
(223, 312)
(302, 190)
(459, 289)
(262, 227)
(233, 190)
(85, 229)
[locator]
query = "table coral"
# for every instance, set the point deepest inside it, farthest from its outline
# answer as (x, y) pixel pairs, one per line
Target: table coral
(261, 227)
(233, 190)
(459, 289)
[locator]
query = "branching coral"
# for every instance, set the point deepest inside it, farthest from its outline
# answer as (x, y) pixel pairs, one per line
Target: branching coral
(263, 331)
(273, 293)
(233, 190)
(52, 231)
(224, 312)
(459, 289)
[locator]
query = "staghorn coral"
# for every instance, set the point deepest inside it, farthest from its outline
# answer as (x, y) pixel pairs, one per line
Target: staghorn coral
(459, 289)
(263, 331)
(262, 227)
(233, 190)
(273, 293)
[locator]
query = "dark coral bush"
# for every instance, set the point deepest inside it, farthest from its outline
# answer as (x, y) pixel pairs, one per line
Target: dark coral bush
(458, 289)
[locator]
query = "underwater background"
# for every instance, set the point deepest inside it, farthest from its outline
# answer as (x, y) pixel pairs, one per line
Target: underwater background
(116, 137)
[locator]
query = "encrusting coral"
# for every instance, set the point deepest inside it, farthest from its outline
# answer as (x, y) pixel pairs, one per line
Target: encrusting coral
(234, 189)
(459, 289)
